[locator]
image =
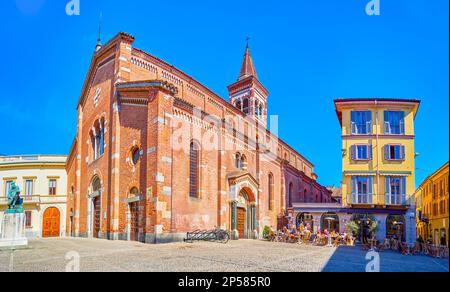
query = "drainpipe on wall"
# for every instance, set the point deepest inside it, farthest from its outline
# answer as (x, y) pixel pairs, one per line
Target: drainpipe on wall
(378, 152)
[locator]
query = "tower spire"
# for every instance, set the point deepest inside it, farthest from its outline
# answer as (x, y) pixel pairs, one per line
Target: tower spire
(248, 68)
(99, 39)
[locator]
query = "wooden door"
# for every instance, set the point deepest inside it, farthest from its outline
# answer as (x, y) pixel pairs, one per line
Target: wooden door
(51, 223)
(134, 222)
(241, 218)
(97, 217)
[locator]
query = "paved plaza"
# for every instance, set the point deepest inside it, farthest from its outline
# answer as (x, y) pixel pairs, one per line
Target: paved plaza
(237, 256)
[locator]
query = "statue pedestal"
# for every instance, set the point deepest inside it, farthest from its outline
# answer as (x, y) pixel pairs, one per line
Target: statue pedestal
(13, 231)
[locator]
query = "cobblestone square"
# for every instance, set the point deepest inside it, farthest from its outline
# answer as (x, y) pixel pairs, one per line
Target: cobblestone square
(237, 256)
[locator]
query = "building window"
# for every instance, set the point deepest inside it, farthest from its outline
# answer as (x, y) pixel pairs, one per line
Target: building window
(135, 155)
(271, 185)
(362, 190)
(238, 161)
(395, 152)
(194, 172)
(52, 187)
(361, 122)
(394, 123)
(241, 161)
(98, 139)
(238, 105)
(361, 152)
(29, 187)
(246, 106)
(97, 96)
(8, 185)
(395, 190)
(28, 223)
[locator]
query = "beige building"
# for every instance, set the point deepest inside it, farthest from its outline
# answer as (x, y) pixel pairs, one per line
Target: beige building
(42, 180)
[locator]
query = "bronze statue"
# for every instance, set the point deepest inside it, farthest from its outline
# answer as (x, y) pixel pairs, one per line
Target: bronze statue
(15, 202)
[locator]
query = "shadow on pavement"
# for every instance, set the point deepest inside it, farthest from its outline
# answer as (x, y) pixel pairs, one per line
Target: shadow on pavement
(353, 259)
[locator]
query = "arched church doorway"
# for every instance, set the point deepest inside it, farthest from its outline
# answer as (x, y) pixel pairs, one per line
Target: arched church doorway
(244, 215)
(95, 207)
(133, 215)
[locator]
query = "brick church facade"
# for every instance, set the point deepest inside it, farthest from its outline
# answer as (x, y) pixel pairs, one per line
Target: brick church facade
(157, 154)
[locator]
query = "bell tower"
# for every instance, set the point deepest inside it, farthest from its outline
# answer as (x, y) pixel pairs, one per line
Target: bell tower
(248, 94)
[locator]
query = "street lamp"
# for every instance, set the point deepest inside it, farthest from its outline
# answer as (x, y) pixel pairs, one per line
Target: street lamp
(329, 219)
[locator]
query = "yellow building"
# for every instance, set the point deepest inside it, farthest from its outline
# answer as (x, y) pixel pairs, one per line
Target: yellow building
(378, 159)
(432, 206)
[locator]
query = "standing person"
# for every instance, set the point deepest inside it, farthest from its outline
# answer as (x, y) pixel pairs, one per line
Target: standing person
(430, 240)
(443, 240)
(366, 232)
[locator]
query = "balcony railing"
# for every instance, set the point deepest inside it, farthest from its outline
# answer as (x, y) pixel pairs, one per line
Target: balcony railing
(36, 199)
(386, 199)
(395, 200)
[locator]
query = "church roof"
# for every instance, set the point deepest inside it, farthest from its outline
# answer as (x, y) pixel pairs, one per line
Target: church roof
(248, 68)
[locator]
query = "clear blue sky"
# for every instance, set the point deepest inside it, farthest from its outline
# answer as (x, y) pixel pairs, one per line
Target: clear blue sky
(306, 53)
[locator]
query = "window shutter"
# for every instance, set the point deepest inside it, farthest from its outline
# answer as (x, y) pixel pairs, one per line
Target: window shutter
(354, 152)
(386, 152)
(388, 189)
(353, 118)
(402, 123)
(403, 191)
(387, 125)
(369, 122)
(403, 152)
(370, 151)
(370, 190)
(354, 189)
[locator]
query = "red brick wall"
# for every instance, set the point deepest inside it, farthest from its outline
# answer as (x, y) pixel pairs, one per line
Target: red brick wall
(162, 173)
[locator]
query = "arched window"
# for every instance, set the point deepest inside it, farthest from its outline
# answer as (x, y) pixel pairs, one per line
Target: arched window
(243, 162)
(246, 106)
(271, 191)
(194, 173)
(238, 161)
(238, 105)
(98, 139)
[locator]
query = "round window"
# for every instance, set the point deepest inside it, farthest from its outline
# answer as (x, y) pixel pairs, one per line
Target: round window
(135, 155)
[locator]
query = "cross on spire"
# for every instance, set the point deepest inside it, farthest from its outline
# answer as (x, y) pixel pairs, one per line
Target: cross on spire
(247, 69)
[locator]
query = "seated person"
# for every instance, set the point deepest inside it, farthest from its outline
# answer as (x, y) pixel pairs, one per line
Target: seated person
(272, 235)
(293, 234)
(387, 243)
(316, 236)
(286, 234)
(334, 234)
(338, 240)
(417, 248)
